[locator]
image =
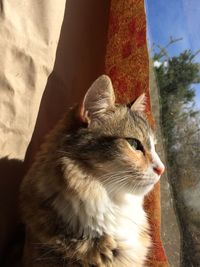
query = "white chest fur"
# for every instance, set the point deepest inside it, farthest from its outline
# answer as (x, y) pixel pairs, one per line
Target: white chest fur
(123, 219)
(130, 219)
(97, 212)
(131, 226)
(126, 222)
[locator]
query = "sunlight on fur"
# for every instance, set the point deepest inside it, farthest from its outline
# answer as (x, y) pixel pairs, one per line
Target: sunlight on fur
(82, 200)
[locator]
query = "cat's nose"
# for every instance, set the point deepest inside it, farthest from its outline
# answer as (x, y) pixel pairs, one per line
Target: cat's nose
(159, 169)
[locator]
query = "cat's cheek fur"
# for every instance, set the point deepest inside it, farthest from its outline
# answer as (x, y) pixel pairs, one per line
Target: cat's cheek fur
(135, 159)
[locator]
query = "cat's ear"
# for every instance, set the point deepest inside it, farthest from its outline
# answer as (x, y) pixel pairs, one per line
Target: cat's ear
(140, 103)
(98, 99)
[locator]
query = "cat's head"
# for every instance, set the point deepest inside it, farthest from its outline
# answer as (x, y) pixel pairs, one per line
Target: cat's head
(116, 146)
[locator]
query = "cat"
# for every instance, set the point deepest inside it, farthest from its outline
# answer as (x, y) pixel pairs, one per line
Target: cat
(82, 200)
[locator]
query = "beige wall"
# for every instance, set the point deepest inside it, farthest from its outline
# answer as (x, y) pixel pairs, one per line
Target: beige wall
(41, 63)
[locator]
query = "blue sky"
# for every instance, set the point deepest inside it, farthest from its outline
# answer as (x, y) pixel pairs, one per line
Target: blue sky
(179, 19)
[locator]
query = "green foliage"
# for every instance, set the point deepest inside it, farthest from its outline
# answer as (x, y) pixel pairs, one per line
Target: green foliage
(175, 77)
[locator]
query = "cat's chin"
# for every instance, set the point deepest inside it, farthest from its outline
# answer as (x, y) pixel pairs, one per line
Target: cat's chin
(145, 189)
(142, 191)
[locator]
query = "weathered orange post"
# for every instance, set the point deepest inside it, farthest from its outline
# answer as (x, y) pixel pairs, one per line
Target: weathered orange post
(127, 64)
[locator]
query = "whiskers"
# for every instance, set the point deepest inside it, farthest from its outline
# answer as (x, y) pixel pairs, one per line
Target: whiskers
(129, 180)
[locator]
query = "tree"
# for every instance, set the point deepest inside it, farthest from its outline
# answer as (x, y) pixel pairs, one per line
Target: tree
(175, 76)
(180, 121)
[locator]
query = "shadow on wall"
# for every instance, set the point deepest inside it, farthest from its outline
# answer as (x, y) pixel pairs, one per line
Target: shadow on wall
(12, 172)
(80, 59)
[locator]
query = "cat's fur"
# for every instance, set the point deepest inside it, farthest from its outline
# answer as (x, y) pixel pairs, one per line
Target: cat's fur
(82, 200)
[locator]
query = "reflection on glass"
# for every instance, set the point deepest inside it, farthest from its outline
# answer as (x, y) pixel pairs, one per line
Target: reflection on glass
(174, 43)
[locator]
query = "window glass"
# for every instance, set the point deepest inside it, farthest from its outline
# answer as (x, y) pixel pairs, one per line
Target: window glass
(174, 47)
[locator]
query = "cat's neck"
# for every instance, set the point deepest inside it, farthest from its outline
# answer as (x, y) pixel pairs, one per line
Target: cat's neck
(89, 209)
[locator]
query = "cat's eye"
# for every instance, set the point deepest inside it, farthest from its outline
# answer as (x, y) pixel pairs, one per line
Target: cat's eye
(135, 143)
